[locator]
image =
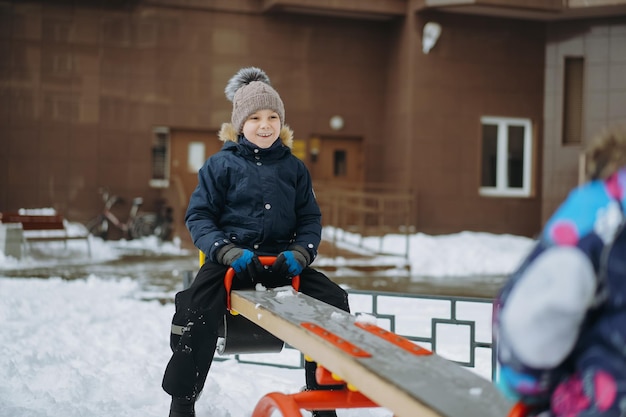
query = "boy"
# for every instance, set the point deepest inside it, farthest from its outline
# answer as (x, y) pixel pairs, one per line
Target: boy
(253, 198)
(560, 321)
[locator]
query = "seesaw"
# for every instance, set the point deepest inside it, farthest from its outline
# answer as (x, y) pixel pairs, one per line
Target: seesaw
(375, 367)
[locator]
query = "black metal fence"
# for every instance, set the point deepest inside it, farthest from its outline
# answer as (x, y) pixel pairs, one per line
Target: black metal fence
(457, 328)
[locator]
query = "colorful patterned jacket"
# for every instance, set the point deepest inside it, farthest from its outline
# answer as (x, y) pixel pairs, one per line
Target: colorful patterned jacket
(564, 310)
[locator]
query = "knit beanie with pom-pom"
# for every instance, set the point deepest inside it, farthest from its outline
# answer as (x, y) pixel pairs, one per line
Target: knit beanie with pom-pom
(250, 91)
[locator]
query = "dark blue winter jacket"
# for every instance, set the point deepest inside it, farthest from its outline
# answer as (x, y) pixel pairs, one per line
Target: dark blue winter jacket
(259, 199)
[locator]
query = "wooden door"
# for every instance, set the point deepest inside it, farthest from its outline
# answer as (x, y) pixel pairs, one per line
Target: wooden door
(336, 160)
(189, 149)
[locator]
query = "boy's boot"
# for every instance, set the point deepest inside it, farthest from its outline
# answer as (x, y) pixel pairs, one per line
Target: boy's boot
(311, 384)
(182, 407)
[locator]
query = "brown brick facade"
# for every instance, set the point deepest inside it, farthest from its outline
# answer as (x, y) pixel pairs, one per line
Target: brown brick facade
(82, 88)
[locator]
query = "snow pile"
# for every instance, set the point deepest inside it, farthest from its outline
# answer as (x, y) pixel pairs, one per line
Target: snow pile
(46, 254)
(83, 347)
(455, 255)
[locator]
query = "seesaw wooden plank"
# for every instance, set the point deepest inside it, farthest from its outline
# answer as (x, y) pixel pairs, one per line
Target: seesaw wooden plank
(407, 384)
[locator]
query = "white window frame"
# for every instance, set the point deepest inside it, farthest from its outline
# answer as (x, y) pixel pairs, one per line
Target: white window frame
(502, 188)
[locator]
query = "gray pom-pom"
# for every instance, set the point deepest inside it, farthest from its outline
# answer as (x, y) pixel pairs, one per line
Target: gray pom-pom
(244, 77)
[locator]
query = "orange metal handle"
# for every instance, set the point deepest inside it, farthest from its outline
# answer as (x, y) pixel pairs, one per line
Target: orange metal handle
(519, 410)
(265, 261)
(289, 405)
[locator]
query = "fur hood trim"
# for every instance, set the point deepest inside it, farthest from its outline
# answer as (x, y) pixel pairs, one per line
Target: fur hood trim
(228, 133)
(607, 153)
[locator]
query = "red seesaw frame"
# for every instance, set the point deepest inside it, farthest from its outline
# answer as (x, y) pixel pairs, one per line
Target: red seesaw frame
(265, 261)
(290, 404)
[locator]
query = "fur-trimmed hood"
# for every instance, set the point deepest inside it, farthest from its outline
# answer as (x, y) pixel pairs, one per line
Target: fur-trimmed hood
(607, 153)
(228, 133)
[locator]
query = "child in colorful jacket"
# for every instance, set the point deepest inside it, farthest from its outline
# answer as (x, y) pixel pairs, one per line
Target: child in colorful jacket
(560, 320)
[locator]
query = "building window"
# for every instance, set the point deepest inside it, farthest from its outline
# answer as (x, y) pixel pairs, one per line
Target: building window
(196, 155)
(506, 157)
(340, 167)
(160, 157)
(573, 100)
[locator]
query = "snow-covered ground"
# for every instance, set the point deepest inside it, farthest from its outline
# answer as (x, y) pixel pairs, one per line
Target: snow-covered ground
(95, 347)
(456, 255)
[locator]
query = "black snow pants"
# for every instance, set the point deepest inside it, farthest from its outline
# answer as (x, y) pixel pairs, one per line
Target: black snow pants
(199, 311)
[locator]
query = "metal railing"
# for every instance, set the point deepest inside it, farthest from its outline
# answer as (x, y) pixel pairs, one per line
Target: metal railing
(422, 319)
(367, 209)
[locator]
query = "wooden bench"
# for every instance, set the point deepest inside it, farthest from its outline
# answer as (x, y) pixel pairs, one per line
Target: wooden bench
(43, 228)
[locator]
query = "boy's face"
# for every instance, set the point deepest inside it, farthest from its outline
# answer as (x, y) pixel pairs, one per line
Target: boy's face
(262, 128)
